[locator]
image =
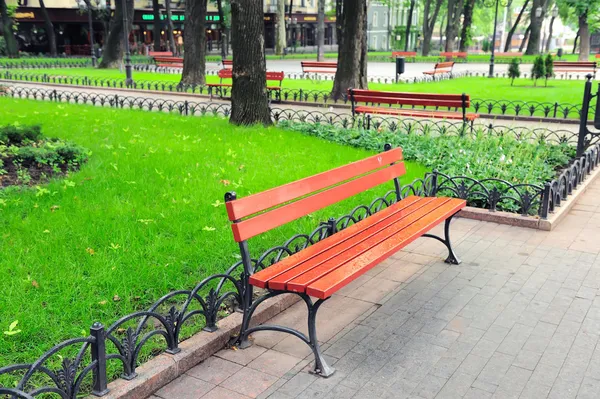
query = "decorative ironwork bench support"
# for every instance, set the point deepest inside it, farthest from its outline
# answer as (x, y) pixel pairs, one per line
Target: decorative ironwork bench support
(321, 366)
(452, 258)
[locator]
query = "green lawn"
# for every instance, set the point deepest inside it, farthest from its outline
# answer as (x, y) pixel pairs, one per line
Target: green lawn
(561, 91)
(145, 205)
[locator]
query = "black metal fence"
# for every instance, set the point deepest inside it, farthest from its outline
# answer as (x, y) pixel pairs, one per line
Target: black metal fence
(491, 107)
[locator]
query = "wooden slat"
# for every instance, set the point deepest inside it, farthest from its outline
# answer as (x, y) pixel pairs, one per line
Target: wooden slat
(328, 284)
(300, 283)
(225, 73)
(279, 216)
(261, 278)
(415, 113)
(243, 207)
(275, 76)
(407, 95)
(408, 101)
(339, 249)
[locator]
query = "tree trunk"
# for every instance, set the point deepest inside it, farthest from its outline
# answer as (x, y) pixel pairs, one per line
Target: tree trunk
(575, 42)
(409, 23)
(7, 31)
(170, 27)
(194, 43)
(455, 8)
(512, 30)
(321, 31)
(525, 38)
(157, 23)
(224, 43)
(429, 23)
(112, 54)
(49, 30)
(249, 97)
(533, 47)
(280, 39)
(442, 33)
(352, 65)
(465, 33)
(549, 34)
(584, 37)
(339, 15)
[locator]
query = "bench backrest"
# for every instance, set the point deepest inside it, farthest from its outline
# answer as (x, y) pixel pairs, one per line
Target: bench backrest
(316, 64)
(575, 64)
(227, 64)
(419, 99)
(168, 59)
(160, 53)
(293, 200)
(404, 54)
(228, 74)
(444, 65)
(453, 54)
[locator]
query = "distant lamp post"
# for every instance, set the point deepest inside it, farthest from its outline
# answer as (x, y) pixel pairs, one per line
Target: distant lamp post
(128, 77)
(492, 3)
(85, 5)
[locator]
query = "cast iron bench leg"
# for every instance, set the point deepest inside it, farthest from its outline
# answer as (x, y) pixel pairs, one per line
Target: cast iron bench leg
(452, 258)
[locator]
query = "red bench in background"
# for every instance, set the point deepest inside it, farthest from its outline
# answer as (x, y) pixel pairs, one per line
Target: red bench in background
(322, 269)
(444, 101)
(228, 74)
(406, 54)
(160, 53)
(564, 67)
(318, 67)
(441, 68)
(449, 55)
(168, 62)
(227, 64)
(509, 54)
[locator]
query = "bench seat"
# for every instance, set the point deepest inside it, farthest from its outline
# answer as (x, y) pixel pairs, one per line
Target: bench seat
(230, 85)
(174, 65)
(322, 269)
(421, 113)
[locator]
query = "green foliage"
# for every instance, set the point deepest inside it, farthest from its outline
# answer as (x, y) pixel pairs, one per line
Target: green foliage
(549, 66)
(19, 134)
(3, 50)
(485, 45)
(538, 70)
(514, 70)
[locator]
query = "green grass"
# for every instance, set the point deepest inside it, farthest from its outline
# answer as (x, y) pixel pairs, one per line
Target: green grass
(561, 91)
(146, 204)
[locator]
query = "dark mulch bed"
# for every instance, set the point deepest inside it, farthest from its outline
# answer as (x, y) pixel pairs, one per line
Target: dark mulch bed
(38, 173)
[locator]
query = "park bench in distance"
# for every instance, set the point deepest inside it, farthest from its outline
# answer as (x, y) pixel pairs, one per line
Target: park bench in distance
(160, 54)
(318, 67)
(227, 64)
(322, 269)
(509, 55)
(449, 55)
(405, 54)
(168, 62)
(444, 101)
(441, 68)
(228, 74)
(565, 67)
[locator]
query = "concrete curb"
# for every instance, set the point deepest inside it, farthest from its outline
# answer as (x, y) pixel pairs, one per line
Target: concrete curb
(165, 368)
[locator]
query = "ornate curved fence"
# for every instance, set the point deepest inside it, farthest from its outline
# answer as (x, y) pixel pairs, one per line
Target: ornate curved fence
(492, 107)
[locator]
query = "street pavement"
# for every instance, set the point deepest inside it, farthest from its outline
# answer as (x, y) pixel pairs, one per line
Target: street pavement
(519, 318)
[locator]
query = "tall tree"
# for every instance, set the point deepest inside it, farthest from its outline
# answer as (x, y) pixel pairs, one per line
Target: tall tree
(224, 21)
(584, 12)
(50, 29)
(465, 33)
(455, 9)
(584, 36)
(157, 24)
(512, 30)
(280, 39)
(525, 38)
(533, 46)
(409, 23)
(429, 18)
(112, 53)
(321, 31)
(339, 13)
(170, 26)
(575, 42)
(249, 96)
(7, 31)
(549, 39)
(352, 53)
(194, 43)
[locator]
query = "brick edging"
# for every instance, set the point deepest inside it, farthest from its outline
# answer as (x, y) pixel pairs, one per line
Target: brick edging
(164, 368)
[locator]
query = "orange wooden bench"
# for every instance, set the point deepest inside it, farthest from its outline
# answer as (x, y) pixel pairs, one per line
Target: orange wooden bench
(445, 101)
(160, 53)
(320, 270)
(227, 64)
(318, 67)
(169, 62)
(440, 68)
(228, 74)
(450, 55)
(407, 54)
(597, 55)
(564, 67)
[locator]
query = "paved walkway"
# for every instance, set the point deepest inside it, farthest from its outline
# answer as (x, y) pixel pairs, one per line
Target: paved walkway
(519, 318)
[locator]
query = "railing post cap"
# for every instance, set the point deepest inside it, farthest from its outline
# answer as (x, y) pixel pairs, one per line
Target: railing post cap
(230, 196)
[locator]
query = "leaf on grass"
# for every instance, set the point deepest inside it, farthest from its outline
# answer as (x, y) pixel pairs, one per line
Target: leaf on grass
(217, 203)
(54, 208)
(35, 284)
(104, 302)
(225, 182)
(12, 329)
(207, 228)
(116, 298)
(146, 221)
(114, 247)
(90, 251)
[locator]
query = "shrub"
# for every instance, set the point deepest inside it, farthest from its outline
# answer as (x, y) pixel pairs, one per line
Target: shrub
(18, 135)
(548, 64)
(485, 45)
(538, 70)
(514, 70)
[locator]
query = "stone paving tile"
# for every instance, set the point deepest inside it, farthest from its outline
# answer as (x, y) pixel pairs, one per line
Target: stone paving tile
(519, 318)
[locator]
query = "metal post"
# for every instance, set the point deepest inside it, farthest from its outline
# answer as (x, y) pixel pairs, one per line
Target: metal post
(89, 6)
(128, 79)
(491, 74)
(583, 117)
(545, 201)
(98, 351)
